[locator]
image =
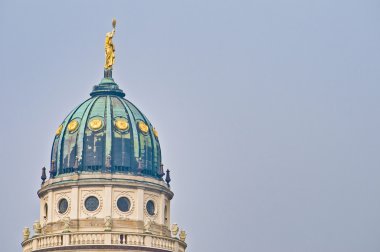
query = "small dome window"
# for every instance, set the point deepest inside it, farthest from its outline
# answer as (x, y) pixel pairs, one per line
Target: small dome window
(150, 208)
(91, 203)
(63, 204)
(123, 204)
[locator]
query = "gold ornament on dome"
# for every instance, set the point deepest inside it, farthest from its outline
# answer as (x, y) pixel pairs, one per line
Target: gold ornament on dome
(155, 132)
(95, 124)
(73, 126)
(59, 130)
(143, 127)
(121, 124)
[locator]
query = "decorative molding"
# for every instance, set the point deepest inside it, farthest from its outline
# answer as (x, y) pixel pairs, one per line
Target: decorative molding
(119, 194)
(58, 197)
(124, 181)
(85, 195)
(153, 198)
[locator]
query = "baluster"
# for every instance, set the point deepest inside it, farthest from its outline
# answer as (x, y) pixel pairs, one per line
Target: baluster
(134, 239)
(128, 239)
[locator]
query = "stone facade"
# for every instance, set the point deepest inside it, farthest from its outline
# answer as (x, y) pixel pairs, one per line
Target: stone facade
(107, 228)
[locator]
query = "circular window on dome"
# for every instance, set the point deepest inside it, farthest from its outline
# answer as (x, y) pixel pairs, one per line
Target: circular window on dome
(150, 208)
(123, 204)
(73, 126)
(121, 124)
(91, 203)
(143, 127)
(95, 124)
(63, 205)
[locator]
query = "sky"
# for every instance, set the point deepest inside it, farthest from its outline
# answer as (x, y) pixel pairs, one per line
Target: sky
(267, 111)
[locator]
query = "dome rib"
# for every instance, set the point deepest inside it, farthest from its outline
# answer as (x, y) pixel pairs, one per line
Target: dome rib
(152, 138)
(93, 152)
(70, 153)
(134, 129)
(61, 137)
(109, 129)
(82, 133)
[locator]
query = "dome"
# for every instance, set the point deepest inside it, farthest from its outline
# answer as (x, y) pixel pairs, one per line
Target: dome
(106, 133)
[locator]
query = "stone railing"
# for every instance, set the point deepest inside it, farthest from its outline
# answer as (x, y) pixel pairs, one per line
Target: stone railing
(104, 239)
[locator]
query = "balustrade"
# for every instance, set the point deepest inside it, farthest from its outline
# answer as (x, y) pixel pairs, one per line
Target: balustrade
(103, 238)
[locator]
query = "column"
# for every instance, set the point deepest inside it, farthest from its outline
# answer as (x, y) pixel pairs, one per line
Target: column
(140, 204)
(162, 209)
(107, 200)
(74, 213)
(50, 206)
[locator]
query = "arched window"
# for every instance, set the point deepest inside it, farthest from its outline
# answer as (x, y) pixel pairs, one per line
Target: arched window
(45, 211)
(166, 214)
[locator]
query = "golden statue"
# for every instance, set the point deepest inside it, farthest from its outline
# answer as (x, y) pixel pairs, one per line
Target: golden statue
(110, 48)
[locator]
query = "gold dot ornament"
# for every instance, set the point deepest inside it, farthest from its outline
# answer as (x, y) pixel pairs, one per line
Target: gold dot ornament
(121, 124)
(155, 132)
(73, 126)
(143, 127)
(59, 130)
(95, 124)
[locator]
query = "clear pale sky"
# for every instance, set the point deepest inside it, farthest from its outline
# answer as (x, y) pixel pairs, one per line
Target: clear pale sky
(268, 112)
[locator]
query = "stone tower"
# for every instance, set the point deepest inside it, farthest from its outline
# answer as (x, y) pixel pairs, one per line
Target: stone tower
(105, 189)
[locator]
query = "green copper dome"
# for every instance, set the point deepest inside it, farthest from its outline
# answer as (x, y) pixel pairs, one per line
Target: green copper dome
(106, 133)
